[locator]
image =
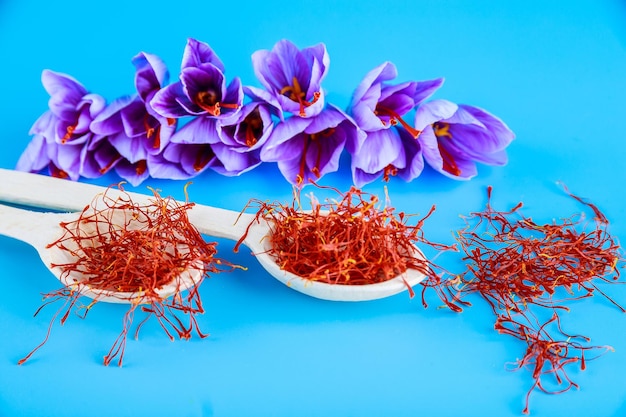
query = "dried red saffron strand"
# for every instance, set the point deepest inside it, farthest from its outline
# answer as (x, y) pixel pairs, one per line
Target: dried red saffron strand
(518, 265)
(350, 241)
(546, 356)
(519, 258)
(135, 248)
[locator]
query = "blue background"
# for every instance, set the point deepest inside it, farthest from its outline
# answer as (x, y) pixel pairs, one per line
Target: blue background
(554, 71)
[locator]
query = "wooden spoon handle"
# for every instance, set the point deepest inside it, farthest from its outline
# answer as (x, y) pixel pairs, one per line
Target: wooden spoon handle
(36, 190)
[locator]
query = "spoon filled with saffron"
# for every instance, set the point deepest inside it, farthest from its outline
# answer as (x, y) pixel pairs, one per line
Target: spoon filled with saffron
(256, 231)
(85, 252)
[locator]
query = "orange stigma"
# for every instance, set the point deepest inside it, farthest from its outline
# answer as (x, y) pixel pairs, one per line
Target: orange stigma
(58, 173)
(449, 164)
(69, 132)
(209, 102)
(442, 131)
(294, 92)
(141, 167)
(312, 139)
(389, 170)
(394, 119)
(106, 168)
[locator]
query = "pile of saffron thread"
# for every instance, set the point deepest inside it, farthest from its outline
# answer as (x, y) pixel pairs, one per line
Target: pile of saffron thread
(153, 244)
(526, 272)
(347, 241)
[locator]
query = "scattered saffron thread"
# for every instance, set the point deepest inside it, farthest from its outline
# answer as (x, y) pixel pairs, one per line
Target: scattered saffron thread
(523, 269)
(134, 250)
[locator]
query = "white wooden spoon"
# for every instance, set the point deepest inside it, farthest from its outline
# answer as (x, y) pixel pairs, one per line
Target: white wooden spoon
(58, 194)
(41, 229)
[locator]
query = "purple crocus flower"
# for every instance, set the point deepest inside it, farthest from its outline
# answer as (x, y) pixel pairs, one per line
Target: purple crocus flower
(292, 77)
(378, 105)
(390, 146)
(182, 160)
(62, 133)
(387, 152)
(308, 148)
(131, 127)
(455, 137)
(241, 141)
(201, 90)
(228, 149)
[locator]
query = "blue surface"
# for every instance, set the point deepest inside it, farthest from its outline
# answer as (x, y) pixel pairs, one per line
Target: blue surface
(554, 72)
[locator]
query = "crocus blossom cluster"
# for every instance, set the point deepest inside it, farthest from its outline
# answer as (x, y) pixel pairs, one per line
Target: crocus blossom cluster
(204, 120)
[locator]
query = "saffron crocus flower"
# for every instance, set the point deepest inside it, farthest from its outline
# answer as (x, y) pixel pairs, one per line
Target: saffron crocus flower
(377, 105)
(190, 150)
(379, 108)
(62, 133)
(201, 89)
(386, 153)
(308, 148)
(241, 142)
(182, 160)
(455, 137)
(132, 127)
(228, 149)
(292, 77)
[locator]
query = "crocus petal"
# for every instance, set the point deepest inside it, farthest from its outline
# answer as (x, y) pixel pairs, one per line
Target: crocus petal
(56, 82)
(166, 101)
(109, 121)
(160, 167)
(35, 156)
(425, 89)
(135, 119)
(259, 64)
(284, 142)
(433, 155)
(258, 94)
(196, 158)
(430, 146)
(398, 98)
(199, 130)
(232, 162)
(384, 72)
(197, 53)
(250, 129)
(433, 111)
(100, 158)
(65, 93)
(277, 68)
(290, 169)
(414, 158)
(68, 158)
(323, 153)
(363, 112)
(495, 125)
(150, 74)
(232, 97)
(131, 149)
(329, 118)
(318, 55)
(44, 125)
(380, 149)
(362, 178)
(134, 173)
